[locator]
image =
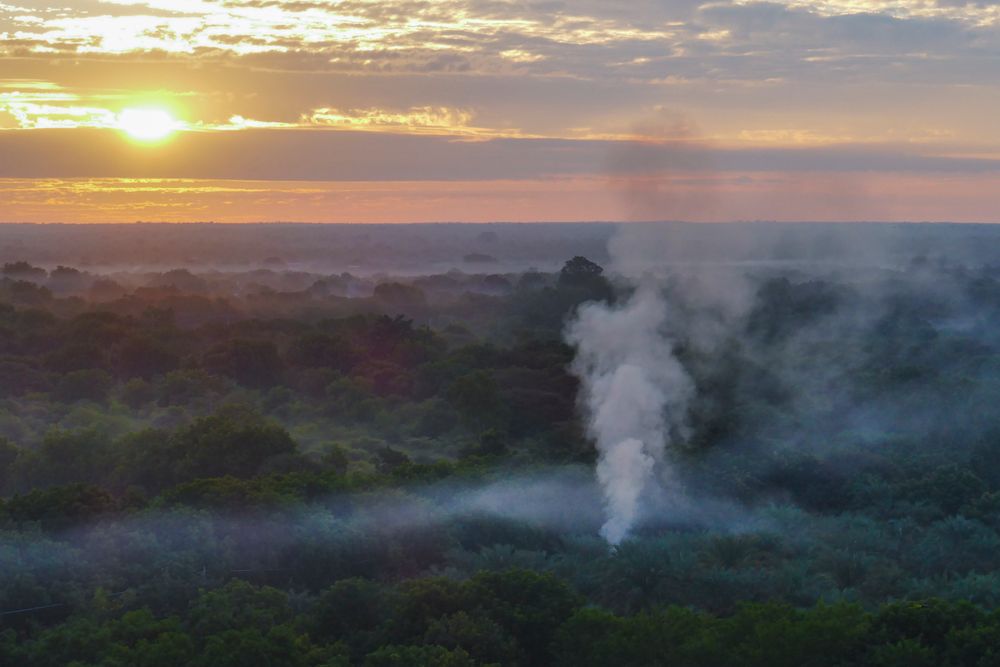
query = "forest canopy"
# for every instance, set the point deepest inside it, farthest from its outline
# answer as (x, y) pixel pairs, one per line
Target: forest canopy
(293, 466)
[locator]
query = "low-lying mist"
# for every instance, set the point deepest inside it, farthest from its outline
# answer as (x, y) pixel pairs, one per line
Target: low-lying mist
(715, 414)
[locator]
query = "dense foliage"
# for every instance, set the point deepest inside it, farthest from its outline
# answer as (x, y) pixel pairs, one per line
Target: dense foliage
(283, 468)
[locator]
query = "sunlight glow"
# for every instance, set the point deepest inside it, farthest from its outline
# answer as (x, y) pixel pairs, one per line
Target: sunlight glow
(147, 124)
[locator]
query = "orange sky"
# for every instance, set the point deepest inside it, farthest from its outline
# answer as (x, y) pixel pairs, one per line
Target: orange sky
(357, 110)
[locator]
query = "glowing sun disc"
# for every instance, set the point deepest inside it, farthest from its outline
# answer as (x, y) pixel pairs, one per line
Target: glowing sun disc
(146, 124)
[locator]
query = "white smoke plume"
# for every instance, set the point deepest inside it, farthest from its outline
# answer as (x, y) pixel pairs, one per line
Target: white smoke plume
(636, 395)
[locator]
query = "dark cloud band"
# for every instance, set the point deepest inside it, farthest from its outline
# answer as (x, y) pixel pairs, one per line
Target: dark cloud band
(364, 156)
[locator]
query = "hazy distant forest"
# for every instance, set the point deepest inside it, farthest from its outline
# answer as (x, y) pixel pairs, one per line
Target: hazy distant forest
(310, 445)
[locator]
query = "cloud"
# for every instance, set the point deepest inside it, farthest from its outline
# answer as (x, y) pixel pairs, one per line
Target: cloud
(587, 39)
(432, 120)
(299, 154)
(730, 196)
(39, 105)
(328, 90)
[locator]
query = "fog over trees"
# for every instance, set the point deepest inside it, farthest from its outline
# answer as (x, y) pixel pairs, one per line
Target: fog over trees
(382, 445)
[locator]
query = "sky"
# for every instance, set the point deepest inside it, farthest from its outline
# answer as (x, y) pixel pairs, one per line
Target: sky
(494, 110)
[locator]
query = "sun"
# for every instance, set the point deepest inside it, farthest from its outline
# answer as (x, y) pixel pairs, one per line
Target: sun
(147, 124)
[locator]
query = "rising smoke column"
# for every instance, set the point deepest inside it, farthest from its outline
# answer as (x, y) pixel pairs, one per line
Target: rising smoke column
(635, 394)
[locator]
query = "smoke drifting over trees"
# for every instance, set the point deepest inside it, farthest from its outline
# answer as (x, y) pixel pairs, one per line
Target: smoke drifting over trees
(759, 418)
